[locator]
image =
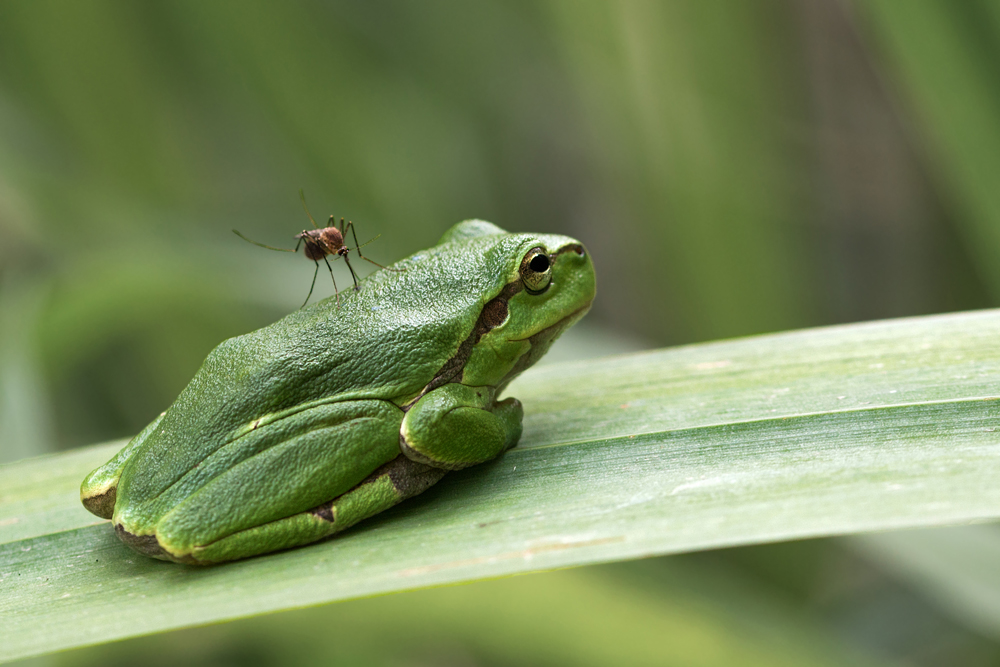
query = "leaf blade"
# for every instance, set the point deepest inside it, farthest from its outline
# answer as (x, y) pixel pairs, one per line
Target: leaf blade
(596, 482)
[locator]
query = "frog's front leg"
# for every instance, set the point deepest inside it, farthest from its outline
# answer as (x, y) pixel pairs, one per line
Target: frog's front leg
(455, 426)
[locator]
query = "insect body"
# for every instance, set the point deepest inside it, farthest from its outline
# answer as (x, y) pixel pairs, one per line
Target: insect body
(320, 242)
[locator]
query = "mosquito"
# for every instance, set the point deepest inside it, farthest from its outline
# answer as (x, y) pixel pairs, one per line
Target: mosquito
(322, 241)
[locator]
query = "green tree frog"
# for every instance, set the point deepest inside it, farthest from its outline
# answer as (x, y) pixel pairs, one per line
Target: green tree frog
(303, 428)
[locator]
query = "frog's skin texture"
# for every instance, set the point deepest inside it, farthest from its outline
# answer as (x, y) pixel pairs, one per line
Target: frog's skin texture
(305, 427)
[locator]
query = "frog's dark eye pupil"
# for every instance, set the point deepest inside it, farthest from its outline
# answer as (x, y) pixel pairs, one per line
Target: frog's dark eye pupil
(536, 271)
(539, 263)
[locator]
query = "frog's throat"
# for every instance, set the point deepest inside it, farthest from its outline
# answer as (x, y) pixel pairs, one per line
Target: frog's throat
(540, 342)
(494, 314)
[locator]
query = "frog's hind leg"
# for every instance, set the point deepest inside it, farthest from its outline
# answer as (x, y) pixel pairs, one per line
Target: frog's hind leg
(100, 489)
(391, 484)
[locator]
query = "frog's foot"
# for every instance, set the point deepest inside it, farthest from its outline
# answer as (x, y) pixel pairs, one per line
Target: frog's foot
(389, 485)
(148, 545)
(100, 502)
(455, 426)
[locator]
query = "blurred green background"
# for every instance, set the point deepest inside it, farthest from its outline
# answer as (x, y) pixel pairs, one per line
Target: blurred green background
(734, 166)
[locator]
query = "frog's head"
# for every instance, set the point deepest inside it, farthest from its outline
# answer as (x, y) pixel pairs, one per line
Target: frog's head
(547, 285)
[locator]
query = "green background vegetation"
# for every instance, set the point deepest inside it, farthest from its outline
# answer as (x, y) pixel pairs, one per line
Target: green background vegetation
(735, 167)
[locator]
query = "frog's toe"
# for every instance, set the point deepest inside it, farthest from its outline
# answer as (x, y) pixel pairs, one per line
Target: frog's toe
(100, 501)
(99, 490)
(148, 545)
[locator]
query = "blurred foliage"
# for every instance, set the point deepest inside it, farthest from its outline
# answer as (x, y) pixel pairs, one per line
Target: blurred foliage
(733, 171)
(943, 58)
(734, 167)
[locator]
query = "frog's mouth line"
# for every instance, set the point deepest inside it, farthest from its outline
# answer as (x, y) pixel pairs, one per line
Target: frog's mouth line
(539, 343)
(578, 313)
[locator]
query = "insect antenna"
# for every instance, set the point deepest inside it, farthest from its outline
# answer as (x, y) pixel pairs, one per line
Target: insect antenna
(263, 245)
(302, 196)
(374, 238)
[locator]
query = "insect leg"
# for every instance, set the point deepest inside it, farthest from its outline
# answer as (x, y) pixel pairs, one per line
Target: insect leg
(353, 275)
(359, 246)
(335, 290)
(315, 273)
(350, 225)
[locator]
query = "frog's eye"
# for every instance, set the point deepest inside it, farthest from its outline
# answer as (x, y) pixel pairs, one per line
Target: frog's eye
(536, 271)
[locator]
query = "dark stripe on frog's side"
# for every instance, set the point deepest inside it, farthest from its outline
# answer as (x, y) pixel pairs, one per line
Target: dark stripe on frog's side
(494, 314)
(408, 479)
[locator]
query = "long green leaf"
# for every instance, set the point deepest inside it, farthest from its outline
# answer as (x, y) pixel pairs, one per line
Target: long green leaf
(822, 432)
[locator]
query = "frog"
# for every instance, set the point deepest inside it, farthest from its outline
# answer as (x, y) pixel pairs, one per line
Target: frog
(299, 430)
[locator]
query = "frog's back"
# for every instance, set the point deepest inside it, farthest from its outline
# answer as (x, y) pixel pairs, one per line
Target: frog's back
(383, 343)
(386, 341)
